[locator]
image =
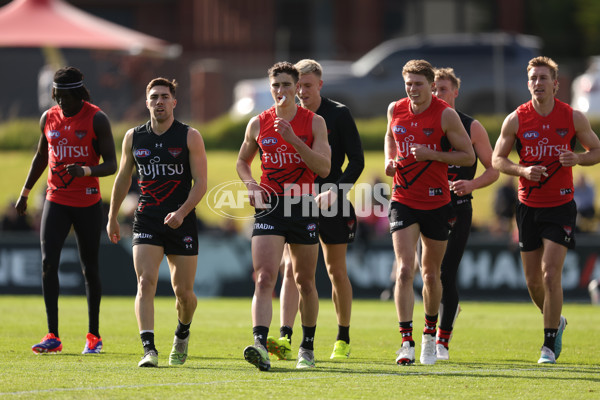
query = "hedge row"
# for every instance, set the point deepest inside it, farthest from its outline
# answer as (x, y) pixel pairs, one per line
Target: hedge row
(223, 133)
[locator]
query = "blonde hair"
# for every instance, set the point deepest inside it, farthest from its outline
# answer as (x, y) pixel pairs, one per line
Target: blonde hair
(308, 66)
(543, 61)
(447, 74)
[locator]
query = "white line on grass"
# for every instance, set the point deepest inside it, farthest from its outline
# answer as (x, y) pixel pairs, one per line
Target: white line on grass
(336, 376)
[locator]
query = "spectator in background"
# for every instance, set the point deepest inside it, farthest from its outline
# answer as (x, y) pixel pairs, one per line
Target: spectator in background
(585, 198)
(12, 221)
(594, 289)
(375, 224)
(505, 205)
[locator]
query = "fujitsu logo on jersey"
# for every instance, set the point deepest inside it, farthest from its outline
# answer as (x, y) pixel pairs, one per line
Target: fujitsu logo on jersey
(60, 151)
(543, 149)
(280, 159)
(404, 147)
(150, 171)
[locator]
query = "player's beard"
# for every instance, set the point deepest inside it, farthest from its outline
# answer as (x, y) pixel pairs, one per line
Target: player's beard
(162, 116)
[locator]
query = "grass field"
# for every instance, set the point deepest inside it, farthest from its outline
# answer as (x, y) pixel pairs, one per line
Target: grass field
(221, 168)
(492, 356)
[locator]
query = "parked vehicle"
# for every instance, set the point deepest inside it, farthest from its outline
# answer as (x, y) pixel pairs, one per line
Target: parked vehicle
(585, 90)
(492, 67)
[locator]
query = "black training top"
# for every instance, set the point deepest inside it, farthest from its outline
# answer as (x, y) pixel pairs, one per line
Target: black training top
(163, 166)
(456, 173)
(344, 140)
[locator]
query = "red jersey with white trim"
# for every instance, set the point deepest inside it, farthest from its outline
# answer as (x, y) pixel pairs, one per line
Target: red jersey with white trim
(540, 141)
(72, 140)
(284, 173)
(422, 185)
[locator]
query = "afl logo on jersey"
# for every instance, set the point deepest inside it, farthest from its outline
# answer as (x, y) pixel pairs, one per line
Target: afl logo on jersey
(142, 153)
(398, 129)
(311, 227)
(531, 135)
(269, 141)
(188, 239)
(53, 134)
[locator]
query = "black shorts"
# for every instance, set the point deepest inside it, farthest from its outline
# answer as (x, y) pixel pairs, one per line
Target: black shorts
(553, 223)
(298, 223)
(434, 224)
(339, 228)
(152, 230)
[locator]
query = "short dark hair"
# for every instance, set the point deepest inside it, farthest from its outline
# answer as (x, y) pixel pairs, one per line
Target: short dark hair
(284, 67)
(71, 75)
(172, 85)
(419, 67)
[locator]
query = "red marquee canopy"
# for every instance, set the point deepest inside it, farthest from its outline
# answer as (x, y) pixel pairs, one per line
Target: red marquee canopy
(55, 23)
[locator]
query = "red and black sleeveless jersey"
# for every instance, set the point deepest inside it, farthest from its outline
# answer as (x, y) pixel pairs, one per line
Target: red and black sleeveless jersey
(456, 172)
(72, 140)
(422, 185)
(163, 166)
(540, 141)
(284, 173)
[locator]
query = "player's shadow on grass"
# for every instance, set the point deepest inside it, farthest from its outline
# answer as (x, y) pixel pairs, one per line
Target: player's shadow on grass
(363, 366)
(518, 369)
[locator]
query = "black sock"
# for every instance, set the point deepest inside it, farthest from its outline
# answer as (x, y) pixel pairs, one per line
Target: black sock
(286, 331)
(308, 337)
(550, 338)
(260, 335)
(183, 330)
(343, 333)
(148, 341)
